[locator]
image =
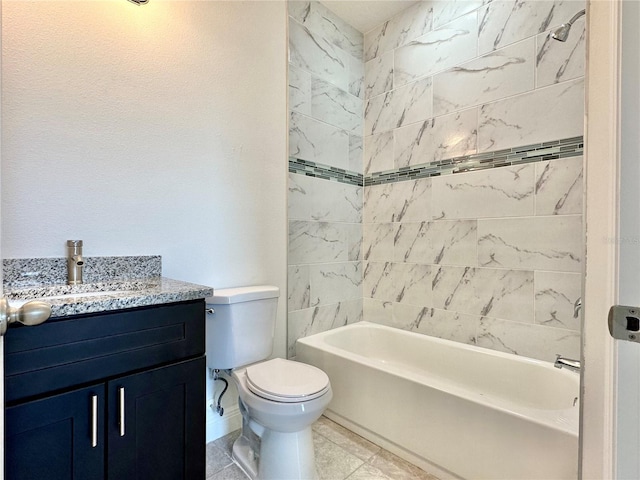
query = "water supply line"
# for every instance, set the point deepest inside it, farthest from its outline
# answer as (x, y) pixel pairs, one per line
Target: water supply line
(215, 375)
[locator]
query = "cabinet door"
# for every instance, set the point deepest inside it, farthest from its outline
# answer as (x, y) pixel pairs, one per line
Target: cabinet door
(58, 437)
(157, 424)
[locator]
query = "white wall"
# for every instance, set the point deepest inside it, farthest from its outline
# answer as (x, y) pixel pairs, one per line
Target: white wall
(158, 129)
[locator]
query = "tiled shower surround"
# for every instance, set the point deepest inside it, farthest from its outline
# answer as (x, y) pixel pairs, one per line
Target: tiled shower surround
(491, 257)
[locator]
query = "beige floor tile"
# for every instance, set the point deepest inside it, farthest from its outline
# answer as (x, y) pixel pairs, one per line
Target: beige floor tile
(216, 459)
(226, 443)
(351, 442)
(368, 472)
(397, 468)
(232, 472)
(332, 461)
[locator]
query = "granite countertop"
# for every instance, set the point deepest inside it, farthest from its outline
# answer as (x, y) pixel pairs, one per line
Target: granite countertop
(66, 300)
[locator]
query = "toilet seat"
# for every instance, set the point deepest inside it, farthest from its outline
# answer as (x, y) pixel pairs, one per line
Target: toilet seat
(286, 381)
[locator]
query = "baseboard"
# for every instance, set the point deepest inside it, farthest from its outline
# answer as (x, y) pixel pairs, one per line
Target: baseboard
(219, 426)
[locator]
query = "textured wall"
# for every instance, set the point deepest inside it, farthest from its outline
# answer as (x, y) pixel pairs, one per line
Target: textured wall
(152, 130)
(148, 130)
(493, 257)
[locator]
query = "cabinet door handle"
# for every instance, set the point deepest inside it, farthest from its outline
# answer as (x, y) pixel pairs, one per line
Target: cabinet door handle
(94, 421)
(121, 395)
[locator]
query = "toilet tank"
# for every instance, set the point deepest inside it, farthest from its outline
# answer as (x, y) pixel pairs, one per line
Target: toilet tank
(241, 330)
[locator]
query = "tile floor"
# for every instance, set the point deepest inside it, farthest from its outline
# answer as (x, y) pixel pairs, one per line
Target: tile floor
(340, 455)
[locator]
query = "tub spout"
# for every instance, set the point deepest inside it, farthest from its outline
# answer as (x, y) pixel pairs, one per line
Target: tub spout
(561, 362)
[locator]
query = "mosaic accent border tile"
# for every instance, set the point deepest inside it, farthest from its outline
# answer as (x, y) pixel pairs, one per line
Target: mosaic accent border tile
(326, 172)
(567, 147)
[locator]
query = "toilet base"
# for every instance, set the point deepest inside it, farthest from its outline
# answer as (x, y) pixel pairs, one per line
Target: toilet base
(281, 456)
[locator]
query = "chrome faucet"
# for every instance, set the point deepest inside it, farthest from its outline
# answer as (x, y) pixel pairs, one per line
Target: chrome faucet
(561, 362)
(75, 262)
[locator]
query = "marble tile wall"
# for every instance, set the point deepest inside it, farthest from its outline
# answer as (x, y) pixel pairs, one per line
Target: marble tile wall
(458, 77)
(492, 257)
(326, 72)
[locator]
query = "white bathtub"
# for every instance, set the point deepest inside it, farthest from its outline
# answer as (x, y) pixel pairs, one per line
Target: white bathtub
(453, 409)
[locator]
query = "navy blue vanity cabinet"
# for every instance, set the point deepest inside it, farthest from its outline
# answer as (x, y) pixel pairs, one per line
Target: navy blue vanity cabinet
(115, 395)
(52, 437)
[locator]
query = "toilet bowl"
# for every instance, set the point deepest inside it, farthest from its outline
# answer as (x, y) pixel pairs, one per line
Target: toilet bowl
(279, 405)
(279, 399)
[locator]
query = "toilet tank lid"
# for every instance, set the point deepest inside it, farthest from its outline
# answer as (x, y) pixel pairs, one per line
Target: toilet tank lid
(225, 296)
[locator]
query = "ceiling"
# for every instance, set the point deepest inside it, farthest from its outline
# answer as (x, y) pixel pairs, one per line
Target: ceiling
(366, 14)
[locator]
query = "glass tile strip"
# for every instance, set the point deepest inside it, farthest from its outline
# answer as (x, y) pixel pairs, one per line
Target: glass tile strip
(325, 172)
(538, 152)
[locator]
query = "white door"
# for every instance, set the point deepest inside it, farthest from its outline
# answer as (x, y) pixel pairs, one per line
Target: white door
(628, 359)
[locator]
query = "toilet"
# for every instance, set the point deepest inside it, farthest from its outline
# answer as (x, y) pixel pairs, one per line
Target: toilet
(279, 399)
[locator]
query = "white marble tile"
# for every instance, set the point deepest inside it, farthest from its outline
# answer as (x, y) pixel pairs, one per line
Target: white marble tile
(436, 139)
(313, 53)
(411, 200)
(454, 326)
(535, 243)
(555, 296)
(560, 61)
(378, 241)
(299, 289)
(317, 242)
(502, 73)
(356, 76)
(303, 323)
(402, 106)
(317, 18)
(398, 282)
(440, 242)
(534, 341)
(312, 140)
(550, 113)
(496, 192)
(316, 199)
(378, 153)
(378, 75)
(408, 201)
(299, 90)
(407, 317)
(505, 22)
(378, 207)
(354, 241)
(335, 282)
(404, 27)
(559, 186)
(335, 106)
(500, 293)
(450, 45)
(355, 153)
(377, 311)
(444, 11)
(298, 199)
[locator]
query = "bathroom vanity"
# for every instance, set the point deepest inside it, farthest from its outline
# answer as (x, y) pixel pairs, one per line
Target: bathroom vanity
(116, 393)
